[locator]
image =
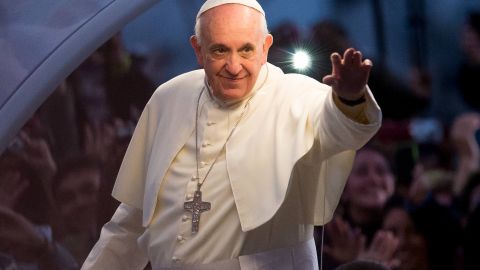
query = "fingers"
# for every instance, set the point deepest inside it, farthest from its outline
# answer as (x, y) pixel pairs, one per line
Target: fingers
(384, 245)
(336, 59)
(350, 57)
(368, 62)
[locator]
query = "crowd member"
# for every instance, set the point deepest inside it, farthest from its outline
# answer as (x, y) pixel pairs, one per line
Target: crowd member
(412, 249)
(205, 180)
(76, 188)
(27, 209)
(464, 141)
(355, 231)
(109, 86)
(370, 184)
(466, 184)
(58, 115)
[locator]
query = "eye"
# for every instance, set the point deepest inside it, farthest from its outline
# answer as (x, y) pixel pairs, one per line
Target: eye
(247, 51)
(218, 51)
(360, 170)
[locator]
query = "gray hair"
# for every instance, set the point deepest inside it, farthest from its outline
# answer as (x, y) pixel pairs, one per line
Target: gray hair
(198, 24)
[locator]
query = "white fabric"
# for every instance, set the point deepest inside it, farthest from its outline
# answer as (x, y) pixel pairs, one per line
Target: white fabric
(116, 248)
(302, 256)
(209, 4)
(286, 163)
(290, 113)
(168, 238)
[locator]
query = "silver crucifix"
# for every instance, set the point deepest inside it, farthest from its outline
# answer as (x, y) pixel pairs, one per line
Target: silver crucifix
(197, 206)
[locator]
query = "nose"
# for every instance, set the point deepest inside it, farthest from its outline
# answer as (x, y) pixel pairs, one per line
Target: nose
(234, 64)
(374, 178)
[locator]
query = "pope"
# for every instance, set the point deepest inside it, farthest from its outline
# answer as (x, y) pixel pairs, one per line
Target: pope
(232, 165)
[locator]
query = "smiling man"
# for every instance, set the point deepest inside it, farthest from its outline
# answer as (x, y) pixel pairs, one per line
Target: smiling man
(232, 165)
(229, 51)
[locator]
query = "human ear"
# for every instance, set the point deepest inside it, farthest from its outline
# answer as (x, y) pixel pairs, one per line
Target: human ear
(266, 46)
(197, 49)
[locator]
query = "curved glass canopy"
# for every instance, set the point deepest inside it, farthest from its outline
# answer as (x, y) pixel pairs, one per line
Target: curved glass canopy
(42, 42)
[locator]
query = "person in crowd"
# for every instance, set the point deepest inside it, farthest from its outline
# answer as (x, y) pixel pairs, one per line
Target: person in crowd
(230, 166)
(355, 232)
(76, 188)
(412, 250)
(465, 147)
(27, 210)
(466, 184)
(369, 186)
(109, 86)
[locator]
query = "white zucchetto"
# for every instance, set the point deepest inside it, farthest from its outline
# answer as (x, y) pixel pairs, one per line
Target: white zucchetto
(215, 3)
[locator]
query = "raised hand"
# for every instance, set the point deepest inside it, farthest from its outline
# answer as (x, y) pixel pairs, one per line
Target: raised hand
(345, 243)
(463, 134)
(464, 142)
(11, 187)
(349, 74)
(382, 249)
(36, 152)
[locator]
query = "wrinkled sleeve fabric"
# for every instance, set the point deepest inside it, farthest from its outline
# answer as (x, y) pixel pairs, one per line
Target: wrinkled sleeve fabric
(130, 183)
(324, 170)
(117, 247)
(338, 132)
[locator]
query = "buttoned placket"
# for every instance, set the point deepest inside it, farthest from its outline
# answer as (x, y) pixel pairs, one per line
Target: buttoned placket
(210, 142)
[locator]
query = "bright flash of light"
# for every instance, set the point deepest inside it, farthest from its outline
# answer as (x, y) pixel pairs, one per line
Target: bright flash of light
(301, 60)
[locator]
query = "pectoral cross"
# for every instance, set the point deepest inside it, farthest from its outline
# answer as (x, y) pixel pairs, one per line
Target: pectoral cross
(196, 206)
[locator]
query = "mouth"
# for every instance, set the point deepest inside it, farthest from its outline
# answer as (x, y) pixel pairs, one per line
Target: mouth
(232, 79)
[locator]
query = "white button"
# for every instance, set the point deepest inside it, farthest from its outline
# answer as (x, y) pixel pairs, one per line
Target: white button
(203, 164)
(205, 144)
(175, 259)
(184, 218)
(194, 178)
(210, 123)
(179, 238)
(189, 196)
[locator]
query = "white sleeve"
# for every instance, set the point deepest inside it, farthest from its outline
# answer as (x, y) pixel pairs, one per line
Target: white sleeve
(338, 133)
(117, 247)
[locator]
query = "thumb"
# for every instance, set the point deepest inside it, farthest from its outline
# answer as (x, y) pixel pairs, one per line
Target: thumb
(329, 80)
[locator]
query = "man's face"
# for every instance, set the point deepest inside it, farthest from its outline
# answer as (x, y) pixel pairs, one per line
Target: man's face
(232, 50)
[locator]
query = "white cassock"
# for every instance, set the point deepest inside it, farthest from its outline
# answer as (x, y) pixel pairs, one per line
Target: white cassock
(281, 172)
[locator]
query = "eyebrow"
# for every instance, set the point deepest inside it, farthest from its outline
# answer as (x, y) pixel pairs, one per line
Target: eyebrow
(216, 46)
(220, 45)
(247, 45)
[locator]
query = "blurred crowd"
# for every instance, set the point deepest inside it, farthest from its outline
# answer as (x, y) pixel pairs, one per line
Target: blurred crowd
(57, 174)
(411, 202)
